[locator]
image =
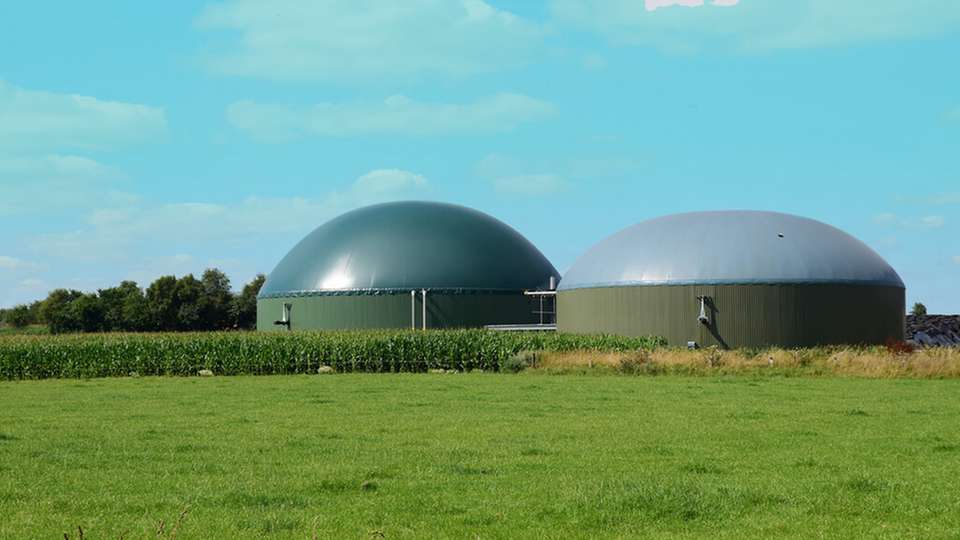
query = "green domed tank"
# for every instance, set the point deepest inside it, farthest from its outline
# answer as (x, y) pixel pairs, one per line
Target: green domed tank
(387, 265)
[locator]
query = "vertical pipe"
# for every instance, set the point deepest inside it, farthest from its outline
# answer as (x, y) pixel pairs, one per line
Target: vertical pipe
(424, 294)
(413, 310)
(553, 287)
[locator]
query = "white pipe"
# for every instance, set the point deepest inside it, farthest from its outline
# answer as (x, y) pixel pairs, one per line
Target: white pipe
(413, 310)
(424, 293)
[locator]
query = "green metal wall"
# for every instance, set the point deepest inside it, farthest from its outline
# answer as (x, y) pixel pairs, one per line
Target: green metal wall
(740, 315)
(335, 312)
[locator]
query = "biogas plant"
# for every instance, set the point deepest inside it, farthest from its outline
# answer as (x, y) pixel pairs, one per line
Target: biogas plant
(725, 278)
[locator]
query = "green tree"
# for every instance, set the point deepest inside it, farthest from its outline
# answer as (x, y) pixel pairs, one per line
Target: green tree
(245, 304)
(35, 314)
(215, 303)
(19, 316)
(88, 312)
(187, 296)
(919, 310)
(136, 314)
(57, 312)
(162, 306)
(114, 301)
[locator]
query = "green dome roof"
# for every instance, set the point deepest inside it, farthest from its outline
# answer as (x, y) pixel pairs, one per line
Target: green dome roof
(398, 247)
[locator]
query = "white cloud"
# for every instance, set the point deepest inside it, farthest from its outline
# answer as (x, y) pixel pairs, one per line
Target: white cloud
(530, 184)
(759, 25)
(383, 182)
(945, 198)
(932, 222)
(149, 268)
(395, 115)
(925, 222)
(653, 5)
(31, 283)
(938, 199)
(13, 263)
(885, 218)
(510, 176)
(117, 235)
(52, 165)
(48, 121)
(346, 39)
(143, 241)
(38, 185)
(15, 286)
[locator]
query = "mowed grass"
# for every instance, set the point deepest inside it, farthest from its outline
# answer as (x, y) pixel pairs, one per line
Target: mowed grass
(480, 455)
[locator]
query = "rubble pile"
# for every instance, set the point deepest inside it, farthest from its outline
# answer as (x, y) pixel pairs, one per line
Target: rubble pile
(934, 330)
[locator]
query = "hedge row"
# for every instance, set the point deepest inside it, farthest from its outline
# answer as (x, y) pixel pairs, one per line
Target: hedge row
(253, 353)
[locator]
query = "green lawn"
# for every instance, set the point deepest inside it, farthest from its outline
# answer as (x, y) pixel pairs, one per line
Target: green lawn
(480, 455)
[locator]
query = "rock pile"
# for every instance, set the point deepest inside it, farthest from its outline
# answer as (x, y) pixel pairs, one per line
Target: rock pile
(934, 330)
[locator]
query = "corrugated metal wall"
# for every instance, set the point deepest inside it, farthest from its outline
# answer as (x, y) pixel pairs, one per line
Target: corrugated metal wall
(394, 311)
(740, 315)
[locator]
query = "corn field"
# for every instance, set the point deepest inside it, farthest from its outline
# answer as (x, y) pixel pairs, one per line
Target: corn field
(252, 353)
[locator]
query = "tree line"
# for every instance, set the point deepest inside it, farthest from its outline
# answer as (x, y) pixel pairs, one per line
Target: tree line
(169, 304)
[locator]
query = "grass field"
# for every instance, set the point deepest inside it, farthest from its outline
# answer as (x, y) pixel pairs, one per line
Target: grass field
(479, 455)
(32, 330)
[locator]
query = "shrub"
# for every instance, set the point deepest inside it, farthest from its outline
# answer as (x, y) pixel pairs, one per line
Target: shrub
(639, 363)
(520, 361)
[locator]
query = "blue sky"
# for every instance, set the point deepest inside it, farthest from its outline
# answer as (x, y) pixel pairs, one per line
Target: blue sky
(138, 140)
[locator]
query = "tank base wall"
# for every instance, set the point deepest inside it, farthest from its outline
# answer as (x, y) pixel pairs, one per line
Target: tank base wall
(739, 315)
(350, 312)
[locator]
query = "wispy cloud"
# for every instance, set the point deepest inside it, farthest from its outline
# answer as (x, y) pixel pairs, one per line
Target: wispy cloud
(956, 259)
(40, 185)
(937, 199)
(932, 222)
(120, 234)
(530, 184)
(349, 40)
(13, 263)
(509, 176)
(18, 281)
(945, 198)
(386, 182)
(48, 122)
(397, 115)
(653, 5)
(923, 222)
(758, 25)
